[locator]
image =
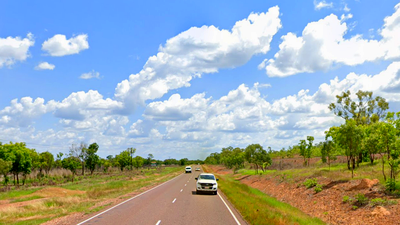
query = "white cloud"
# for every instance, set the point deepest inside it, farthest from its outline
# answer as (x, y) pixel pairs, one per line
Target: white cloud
(322, 4)
(322, 45)
(24, 112)
(58, 45)
(14, 49)
(346, 8)
(90, 75)
(45, 66)
(197, 51)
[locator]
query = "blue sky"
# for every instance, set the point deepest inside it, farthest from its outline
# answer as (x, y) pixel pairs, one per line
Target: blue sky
(183, 79)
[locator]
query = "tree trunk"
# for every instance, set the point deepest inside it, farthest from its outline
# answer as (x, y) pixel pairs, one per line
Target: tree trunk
(83, 168)
(383, 168)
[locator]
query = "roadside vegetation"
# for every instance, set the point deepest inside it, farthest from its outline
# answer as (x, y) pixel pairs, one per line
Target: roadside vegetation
(258, 208)
(36, 187)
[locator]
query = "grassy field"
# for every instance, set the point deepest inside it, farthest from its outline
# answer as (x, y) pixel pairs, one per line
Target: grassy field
(257, 207)
(85, 196)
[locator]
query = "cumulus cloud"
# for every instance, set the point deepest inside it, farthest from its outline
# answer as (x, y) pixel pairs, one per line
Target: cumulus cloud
(59, 45)
(322, 4)
(15, 49)
(322, 45)
(197, 51)
(45, 66)
(23, 112)
(90, 75)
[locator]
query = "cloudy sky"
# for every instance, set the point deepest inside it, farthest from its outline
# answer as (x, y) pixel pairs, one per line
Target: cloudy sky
(184, 79)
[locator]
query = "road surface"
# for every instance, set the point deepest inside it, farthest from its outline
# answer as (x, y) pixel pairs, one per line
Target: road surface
(173, 202)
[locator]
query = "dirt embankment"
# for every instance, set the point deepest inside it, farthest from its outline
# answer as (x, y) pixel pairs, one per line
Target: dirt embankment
(327, 204)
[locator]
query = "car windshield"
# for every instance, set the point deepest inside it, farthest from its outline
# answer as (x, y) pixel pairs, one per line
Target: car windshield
(207, 177)
(188, 167)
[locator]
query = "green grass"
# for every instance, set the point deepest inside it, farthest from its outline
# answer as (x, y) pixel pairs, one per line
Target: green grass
(258, 208)
(98, 188)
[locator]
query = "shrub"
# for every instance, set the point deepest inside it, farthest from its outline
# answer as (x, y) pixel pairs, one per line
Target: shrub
(390, 185)
(309, 183)
(361, 199)
(347, 199)
(382, 202)
(318, 188)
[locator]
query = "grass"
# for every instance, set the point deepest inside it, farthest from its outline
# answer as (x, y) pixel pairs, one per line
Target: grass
(98, 188)
(258, 208)
(25, 199)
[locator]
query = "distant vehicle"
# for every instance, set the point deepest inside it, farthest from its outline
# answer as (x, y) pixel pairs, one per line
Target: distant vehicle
(197, 169)
(188, 169)
(206, 182)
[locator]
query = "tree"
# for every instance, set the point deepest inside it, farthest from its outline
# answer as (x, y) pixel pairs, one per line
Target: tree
(58, 163)
(71, 163)
(5, 167)
(79, 152)
(92, 159)
(138, 162)
(371, 140)
(46, 161)
(149, 159)
(349, 137)
(386, 143)
(232, 158)
(365, 111)
(256, 155)
(303, 151)
(123, 159)
(131, 151)
(308, 151)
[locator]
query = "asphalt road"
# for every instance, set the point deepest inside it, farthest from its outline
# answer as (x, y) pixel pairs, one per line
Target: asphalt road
(173, 202)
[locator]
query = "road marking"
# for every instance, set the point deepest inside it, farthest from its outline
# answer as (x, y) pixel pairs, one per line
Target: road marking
(181, 190)
(158, 222)
(127, 201)
(233, 215)
(185, 184)
(174, 200)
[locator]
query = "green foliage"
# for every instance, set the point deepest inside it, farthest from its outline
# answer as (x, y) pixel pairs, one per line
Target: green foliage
(92, 159)
(361, 199)
(71, 163)
(318, 188)
(232, 158)
(5, 167)
(46, 161)
(390, 185)
(366, 111)
(255, 154)
(303, 146)
(347, 199)
(381, 202)
(138, 162)
(309, 183)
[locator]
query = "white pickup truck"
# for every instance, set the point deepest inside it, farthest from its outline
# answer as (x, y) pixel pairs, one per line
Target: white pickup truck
(206, 182)
(188, 169)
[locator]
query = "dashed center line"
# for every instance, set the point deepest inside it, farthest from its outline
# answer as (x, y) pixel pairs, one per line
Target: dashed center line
(174, 200)
(185, 184)
(158, 222)
(181, 190)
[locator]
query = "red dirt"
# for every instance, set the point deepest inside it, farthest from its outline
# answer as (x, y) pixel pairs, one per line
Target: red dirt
(328, 204)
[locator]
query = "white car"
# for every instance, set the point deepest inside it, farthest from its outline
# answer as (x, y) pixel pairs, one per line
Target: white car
(188, 169)
(206, 182)
(197, 169)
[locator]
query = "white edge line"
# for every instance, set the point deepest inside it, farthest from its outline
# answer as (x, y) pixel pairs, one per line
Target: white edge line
(174, 200)
(233, 215)
(158, 222)
(126, 201)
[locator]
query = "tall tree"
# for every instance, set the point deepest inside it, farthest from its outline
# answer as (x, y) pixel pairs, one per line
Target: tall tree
(79, 152)
(138, 162)
(131, 152)
(310, 140)
(5, 167)
(349, 137)
(71, 163)
(92, 159)
(303, 151)
(46, 161)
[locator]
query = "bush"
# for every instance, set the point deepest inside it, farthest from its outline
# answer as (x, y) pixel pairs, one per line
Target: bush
(390, 185)
(309, 183)
(361, 199)
(318, 188)
(347, 199)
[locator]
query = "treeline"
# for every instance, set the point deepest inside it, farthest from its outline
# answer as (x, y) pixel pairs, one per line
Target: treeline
(369, 130)
(17, 160)
(235, 158)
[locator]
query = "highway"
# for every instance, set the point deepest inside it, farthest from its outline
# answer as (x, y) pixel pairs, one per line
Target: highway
(173, 202)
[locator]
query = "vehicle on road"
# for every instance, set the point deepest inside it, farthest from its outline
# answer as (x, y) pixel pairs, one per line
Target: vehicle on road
(188, 169)
(197, 169)
(206, 182)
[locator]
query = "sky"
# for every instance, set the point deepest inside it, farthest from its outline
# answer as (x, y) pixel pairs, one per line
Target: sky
(183, 79)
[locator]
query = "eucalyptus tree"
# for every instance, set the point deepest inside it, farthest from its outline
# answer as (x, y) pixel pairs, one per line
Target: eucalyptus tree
(138, 162)
(303, 148)
(349, 137)
(46, 160)
(308, 152)
(71, 163)
(92, 159)
(256, 155)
